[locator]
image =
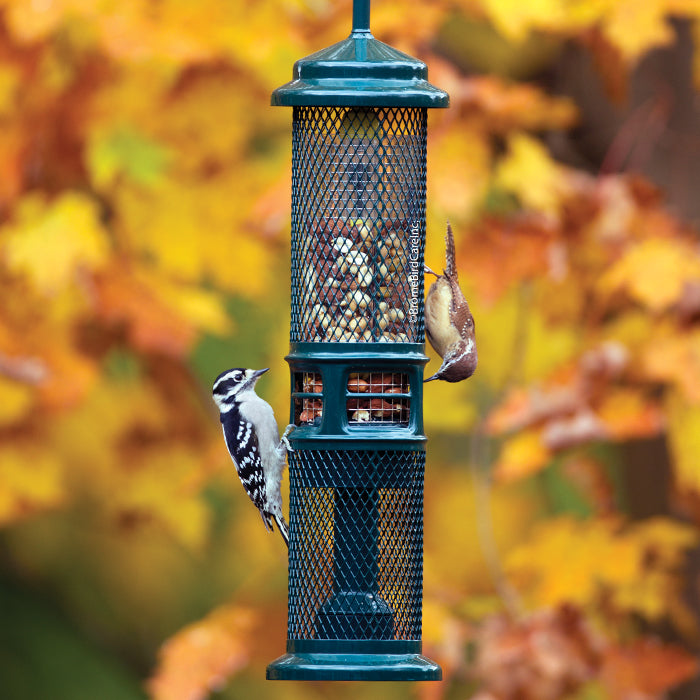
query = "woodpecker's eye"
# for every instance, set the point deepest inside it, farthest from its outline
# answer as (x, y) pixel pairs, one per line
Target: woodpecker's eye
(237, 376)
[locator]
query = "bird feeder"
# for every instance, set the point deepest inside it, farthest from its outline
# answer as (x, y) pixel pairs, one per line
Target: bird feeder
(356, 359)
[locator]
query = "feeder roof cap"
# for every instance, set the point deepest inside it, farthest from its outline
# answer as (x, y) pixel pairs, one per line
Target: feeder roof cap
(360, 71)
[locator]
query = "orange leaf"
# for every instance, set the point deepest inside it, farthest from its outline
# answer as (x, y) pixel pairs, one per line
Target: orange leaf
(132, 299)
(499, 253)
(646, 669)
(503, 107)
(627, 414)
(675, 357)
(202, 656)
(544, 656)
(523, 408)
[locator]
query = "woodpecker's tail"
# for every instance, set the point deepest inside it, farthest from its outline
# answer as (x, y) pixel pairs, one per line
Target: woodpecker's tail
(450, 264)
(283, 528)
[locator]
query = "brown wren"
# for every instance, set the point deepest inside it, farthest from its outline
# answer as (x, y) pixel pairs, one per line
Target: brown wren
(449, 323)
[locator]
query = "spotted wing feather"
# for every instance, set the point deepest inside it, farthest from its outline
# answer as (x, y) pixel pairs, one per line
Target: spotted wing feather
(242, 444)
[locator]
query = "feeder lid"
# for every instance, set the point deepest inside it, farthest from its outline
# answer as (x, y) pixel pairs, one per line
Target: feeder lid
(360, 72)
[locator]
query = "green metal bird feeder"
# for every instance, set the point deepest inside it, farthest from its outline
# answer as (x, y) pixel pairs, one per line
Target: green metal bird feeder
(357, 358)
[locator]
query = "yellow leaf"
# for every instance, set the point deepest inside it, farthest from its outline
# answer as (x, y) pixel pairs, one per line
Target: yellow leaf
(654, 272)
(30, 480)
(202, 308)
(161, 487)
(636, 27)
(515, 19)
(15, 401)
(201, 657)
(598, 562)
(460, 167)
(667, 538)
(197, 229)
(513, 510)
(10, 83)
(683, 418)
(529, 172)
(522, 455)
(51, 242)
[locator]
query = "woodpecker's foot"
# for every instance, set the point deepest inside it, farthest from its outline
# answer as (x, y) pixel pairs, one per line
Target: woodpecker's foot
(284, 440)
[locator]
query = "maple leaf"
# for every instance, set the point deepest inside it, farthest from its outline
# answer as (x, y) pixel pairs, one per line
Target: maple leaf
(684, 443)
(546, 655)
(522, 455)
(498, 253)
(501, 107)
(158, 314)
(160, 488)
(633, 568)
(31, 480)
(202, 656)
(16, 398)
(674, 357)
(529, 172)
(51, 242)
(635, 27)
(646, 669)
(627, 414)
(467, 184)
(654, 272)
(124, 152)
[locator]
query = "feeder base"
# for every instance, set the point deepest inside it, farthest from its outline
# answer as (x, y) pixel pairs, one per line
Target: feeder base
(353, 667)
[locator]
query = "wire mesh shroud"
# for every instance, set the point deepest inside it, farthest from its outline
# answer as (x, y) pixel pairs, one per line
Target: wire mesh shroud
(358, 224)
(356, 473)
(356, 547)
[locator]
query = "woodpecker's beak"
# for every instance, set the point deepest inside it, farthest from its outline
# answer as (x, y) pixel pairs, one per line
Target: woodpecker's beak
(253, 375)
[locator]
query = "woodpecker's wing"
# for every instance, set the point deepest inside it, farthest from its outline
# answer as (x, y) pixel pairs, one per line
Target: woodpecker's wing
(242, 444)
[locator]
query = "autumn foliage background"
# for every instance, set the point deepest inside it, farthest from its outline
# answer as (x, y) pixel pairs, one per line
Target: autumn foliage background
(144, 247)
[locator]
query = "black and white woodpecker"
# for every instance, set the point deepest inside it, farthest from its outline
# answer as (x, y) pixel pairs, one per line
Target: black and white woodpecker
(449, 323)
(253, 441)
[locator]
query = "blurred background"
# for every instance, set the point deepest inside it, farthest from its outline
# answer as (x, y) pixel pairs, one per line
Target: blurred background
(144, 247)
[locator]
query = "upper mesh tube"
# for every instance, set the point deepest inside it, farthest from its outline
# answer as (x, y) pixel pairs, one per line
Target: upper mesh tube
(358, 224)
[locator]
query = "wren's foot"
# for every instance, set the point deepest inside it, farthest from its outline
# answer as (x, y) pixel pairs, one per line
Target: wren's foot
(428, 271)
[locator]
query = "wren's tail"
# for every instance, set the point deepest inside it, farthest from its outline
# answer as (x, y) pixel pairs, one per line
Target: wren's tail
(450, 265)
